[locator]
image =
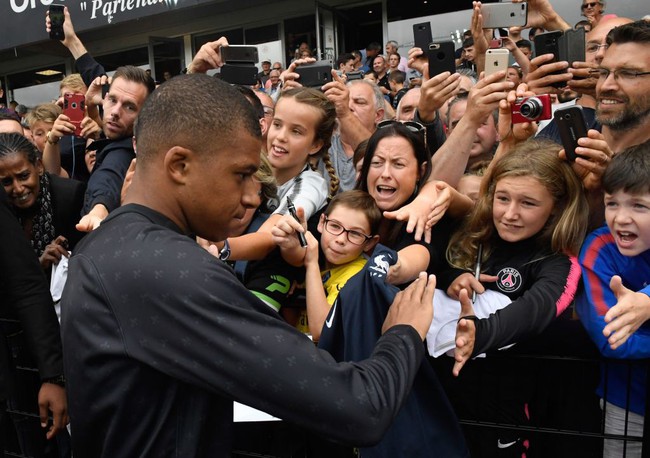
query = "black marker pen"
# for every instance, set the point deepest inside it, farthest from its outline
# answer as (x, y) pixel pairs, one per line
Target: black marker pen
(292, 211)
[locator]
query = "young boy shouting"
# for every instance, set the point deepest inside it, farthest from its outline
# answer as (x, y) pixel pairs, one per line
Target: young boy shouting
(348, 230)
(615, 305)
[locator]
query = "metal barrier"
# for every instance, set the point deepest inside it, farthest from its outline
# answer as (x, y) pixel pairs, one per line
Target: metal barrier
(553, 423)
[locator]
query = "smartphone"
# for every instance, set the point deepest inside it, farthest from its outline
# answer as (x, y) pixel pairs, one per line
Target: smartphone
(573, 46)
(316, 74)
(548, 43)
(74, 107)
(496, 60)
(56, 22)
(551, 43)
(422, 35)
(239, 54)
(244, 75)
(504, 15)
(442, 57)
(571, 125)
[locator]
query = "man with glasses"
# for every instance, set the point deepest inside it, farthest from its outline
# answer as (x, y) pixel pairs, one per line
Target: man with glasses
(273, 86)
(584, 80)
(623, 87)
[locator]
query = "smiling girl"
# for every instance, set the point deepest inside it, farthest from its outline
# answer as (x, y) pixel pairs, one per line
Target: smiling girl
(527, 228)
(299, 135)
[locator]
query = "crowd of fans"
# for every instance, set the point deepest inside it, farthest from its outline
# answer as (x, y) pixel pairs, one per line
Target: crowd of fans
(336, 199)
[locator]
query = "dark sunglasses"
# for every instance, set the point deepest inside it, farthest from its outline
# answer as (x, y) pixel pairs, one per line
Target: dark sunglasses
(589, 5)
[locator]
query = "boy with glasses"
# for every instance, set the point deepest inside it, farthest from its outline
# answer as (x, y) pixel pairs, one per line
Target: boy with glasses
(349, 229)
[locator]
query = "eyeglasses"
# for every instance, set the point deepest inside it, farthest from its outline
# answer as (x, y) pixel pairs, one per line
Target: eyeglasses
(590, 5)
(622, 74)
(276, 68)
(335, 228)
(594, 47)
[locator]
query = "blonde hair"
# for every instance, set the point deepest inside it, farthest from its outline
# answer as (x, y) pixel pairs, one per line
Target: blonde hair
(265, 177)
(46, 112)
(324, 128)
(73, 82)
(566, 226)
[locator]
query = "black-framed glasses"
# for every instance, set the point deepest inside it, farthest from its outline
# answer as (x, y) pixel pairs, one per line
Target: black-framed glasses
(622, 74)
(335, 228)
(594, 47)
(589, 5)
(277, 68)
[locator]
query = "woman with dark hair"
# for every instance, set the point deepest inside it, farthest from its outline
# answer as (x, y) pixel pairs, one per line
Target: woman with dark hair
(47, 206)
(395, 168)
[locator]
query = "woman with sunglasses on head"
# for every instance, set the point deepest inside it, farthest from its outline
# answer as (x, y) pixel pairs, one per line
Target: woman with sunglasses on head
(395, 168)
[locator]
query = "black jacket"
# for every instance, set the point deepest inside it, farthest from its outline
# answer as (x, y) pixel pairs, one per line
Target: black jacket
(160, 337)
(25, 294)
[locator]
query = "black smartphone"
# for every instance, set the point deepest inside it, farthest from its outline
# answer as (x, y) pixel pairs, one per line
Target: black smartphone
(245, 75)
(422, 35)
(573, 46)
(56, 22)
(442, 57)
(551, 43)
(239, 54)
(316, 74)
(571, 125)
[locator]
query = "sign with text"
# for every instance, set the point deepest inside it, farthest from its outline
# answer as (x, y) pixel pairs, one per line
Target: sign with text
(23, 21)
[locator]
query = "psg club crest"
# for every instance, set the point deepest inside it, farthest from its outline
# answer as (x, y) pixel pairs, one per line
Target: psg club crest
(508, 280)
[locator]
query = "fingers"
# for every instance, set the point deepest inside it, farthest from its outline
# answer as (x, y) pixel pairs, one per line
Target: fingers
(485, 278)
(465, 333)
(616, 285)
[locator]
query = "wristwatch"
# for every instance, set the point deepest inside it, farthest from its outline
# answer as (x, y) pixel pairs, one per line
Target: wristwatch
(58, 380)
(49, 137)
(224, 254)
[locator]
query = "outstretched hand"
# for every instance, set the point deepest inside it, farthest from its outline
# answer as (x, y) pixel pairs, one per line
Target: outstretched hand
(632, 309)
(465, 333)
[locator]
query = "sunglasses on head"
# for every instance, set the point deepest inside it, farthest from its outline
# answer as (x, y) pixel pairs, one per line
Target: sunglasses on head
(412, 126)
